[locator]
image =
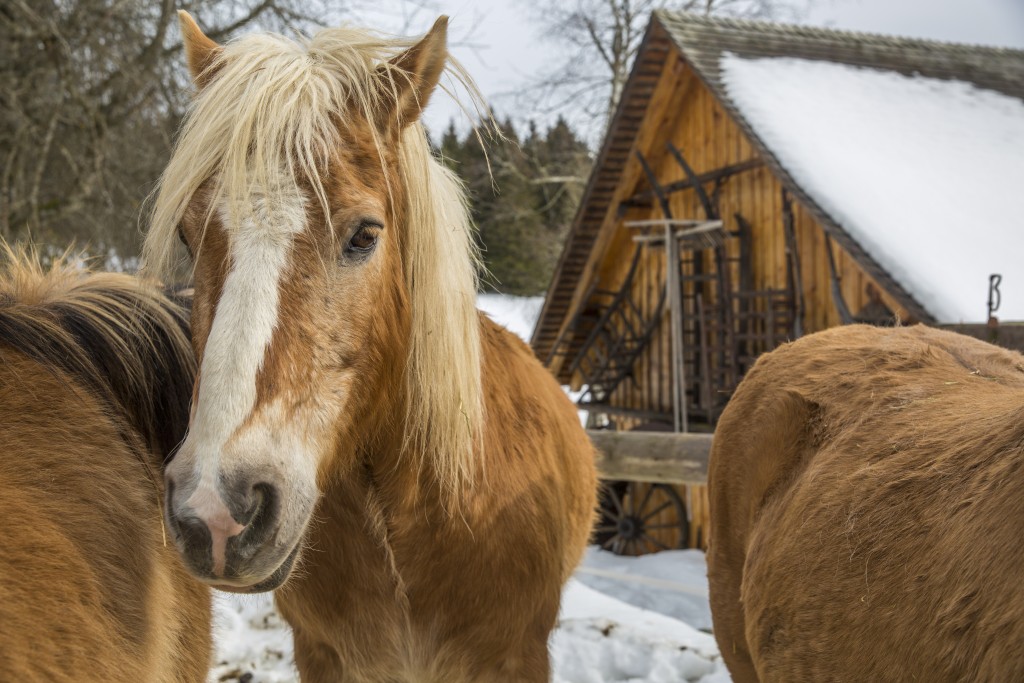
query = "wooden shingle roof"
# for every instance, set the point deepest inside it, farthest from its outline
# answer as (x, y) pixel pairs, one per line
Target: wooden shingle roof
(701, 42)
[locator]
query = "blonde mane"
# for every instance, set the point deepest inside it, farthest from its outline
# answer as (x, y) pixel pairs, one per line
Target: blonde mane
(276, 104)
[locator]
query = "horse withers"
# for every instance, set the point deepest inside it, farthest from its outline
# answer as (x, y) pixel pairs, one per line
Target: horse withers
(358, 426)
(866, 511)
(95, 380)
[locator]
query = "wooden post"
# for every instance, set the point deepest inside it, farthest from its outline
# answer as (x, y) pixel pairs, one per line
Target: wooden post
(796, 281)
(845, 317)
(661, 457)
(680, 421)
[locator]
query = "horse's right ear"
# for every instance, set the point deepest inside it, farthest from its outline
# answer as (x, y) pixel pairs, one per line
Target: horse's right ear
(201, 53)
(411, 77)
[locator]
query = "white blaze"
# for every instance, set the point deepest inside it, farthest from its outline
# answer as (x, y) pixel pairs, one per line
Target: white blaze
(260, 242)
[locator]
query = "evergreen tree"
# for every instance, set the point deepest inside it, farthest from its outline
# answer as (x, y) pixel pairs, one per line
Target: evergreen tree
(523, 205)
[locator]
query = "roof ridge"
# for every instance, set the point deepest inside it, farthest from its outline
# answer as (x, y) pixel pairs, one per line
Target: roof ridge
(762, 26)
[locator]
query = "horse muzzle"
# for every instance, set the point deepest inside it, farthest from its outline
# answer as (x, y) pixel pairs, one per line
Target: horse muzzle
(230, 535)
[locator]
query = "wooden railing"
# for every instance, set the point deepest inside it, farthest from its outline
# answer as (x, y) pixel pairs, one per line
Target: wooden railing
(663, 457)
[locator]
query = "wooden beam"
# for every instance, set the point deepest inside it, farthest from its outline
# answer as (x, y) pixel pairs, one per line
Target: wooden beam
(796, 279)
(641, 199)
(845, 317)
(661, 457)
(710, 210)
(652, 180)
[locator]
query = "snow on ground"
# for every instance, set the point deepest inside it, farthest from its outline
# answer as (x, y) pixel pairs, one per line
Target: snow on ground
(252, 642)
(600, 639)
(924, 174)
(673, 583)
(603, 636)
(637, 619)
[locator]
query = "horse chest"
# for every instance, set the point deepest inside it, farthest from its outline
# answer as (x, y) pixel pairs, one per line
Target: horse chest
(347, 600)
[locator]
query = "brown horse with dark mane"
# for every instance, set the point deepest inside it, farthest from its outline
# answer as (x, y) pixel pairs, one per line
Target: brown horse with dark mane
(355, 416)
(95, 378)
(866, 511)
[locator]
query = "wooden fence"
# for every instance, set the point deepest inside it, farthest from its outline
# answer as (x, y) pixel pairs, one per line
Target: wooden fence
(663, 457)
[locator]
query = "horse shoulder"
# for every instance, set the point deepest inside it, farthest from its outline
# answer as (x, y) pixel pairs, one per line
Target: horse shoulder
(534, 437)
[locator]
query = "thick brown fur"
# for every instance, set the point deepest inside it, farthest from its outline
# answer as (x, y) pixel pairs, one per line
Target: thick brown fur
(866, 511)
(95, 375)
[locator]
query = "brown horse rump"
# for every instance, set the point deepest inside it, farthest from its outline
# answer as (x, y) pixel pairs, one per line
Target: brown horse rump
(866, 511)
(95, 377)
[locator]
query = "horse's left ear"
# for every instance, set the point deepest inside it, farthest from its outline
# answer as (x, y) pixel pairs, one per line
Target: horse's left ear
(412, 77)
(201, 52)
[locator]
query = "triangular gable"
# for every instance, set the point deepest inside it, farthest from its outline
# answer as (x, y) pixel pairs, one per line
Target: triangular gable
(708, 44)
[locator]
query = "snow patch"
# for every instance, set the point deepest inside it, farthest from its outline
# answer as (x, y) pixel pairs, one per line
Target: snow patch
(599, 639)
(679, 586)
(603, 640)
(253, 644)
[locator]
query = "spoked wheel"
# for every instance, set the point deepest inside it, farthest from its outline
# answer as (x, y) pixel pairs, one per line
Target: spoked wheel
(639, 518)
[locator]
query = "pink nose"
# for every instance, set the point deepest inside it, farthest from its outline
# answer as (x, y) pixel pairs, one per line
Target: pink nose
(219, 538)
(222, 526)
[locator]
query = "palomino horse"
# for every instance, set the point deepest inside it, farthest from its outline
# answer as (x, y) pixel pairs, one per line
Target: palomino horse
(95, 378)
(866, 511)
(352, 405)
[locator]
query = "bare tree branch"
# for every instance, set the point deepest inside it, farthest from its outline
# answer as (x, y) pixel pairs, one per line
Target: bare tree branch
(91, 94)
(598, 40)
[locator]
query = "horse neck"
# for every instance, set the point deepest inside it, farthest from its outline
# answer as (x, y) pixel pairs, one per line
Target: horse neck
(381, 400)
(402, 476)
(435, 236)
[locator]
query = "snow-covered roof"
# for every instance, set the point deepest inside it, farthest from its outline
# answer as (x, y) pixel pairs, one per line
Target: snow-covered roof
(927, 175)
(966, 160)
(908, 152)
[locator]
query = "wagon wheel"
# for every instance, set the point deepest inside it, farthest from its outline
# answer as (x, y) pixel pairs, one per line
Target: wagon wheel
(638, 518)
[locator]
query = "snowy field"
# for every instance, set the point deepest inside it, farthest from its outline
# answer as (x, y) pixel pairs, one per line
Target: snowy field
(623, 619)
(644, 625)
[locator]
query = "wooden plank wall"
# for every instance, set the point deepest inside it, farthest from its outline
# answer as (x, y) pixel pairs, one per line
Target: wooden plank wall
(686, 113)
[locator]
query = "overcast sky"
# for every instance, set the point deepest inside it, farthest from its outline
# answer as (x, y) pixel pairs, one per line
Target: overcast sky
(500, 42)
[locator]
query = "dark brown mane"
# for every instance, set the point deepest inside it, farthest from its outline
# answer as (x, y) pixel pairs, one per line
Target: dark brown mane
(119, 336)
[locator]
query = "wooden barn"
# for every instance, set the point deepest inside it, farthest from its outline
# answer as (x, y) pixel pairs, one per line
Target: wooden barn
(759, 182)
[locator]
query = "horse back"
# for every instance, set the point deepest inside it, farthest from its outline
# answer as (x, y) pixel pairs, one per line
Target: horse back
(865, 506)
(88, 589)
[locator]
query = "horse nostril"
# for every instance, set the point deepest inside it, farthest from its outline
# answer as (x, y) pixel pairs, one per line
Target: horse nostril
(260, 513)
(195, 540)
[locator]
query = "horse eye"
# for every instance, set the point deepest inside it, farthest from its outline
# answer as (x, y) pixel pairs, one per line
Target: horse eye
(364, 239)
(181, 236)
